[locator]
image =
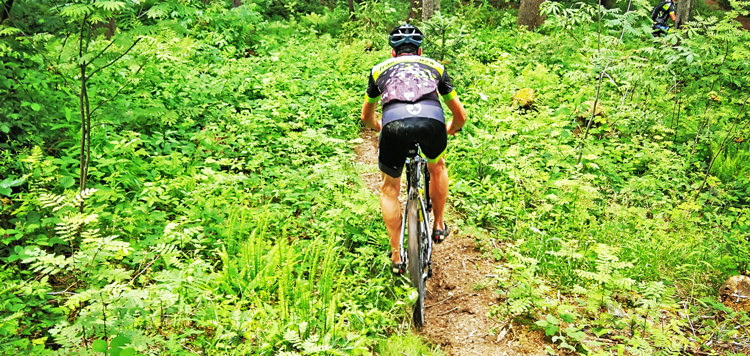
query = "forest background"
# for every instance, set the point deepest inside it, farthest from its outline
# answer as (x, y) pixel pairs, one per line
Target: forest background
(177, 176)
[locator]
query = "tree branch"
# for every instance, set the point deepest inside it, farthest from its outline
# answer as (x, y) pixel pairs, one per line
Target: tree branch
(49, 62)
(722, 147)
(116, 59)
(118, 91)
(593, 113)
(7, 6)
(102, 52)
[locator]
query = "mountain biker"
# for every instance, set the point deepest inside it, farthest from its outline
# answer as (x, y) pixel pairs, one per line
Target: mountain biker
(659, 15)
(408, 86)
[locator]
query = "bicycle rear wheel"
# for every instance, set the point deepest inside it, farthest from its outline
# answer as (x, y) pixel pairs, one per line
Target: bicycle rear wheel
(415, 266)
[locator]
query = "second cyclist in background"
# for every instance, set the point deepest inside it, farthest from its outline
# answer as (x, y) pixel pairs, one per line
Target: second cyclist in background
(409, 87)
(660, 14)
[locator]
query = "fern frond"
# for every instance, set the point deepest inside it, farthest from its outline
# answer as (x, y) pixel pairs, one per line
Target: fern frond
(83, 195)
(110, 5)
(159, 10)
(293, 338)
(8, 31)
(53, 201)
(76, 11)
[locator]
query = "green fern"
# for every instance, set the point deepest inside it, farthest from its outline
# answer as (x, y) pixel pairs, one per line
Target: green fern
(110, 5)
(77, 11)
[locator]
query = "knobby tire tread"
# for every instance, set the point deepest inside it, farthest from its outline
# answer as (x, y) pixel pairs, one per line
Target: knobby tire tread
(415, 260)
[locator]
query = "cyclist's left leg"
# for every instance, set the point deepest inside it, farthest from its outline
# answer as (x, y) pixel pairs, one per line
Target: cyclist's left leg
(392, 151)
(391, 209)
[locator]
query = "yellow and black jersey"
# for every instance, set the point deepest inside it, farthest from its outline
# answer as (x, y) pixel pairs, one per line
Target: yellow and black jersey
(662, 12)
(409, 86)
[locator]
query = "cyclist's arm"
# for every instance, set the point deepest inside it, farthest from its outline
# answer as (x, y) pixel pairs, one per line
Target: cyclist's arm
(670, 8)
(368, 116)
(459, 115)
(371, 101)
(446, 90)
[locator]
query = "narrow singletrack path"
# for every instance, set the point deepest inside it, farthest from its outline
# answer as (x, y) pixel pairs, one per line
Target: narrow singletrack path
(460, 292)
(460, 295)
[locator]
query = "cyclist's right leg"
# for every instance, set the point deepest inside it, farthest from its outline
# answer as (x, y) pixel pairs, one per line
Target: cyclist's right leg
(433, 140)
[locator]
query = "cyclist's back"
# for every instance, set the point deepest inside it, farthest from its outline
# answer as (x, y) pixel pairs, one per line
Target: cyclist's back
(409, 85)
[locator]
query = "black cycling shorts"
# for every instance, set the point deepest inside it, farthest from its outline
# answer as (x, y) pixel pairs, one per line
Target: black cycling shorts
(397, 137)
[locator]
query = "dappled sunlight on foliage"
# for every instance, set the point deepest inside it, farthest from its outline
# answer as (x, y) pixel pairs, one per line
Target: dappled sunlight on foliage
(212, 205)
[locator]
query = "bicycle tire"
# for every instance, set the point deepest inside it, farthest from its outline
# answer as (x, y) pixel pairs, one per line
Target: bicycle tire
(415, 266)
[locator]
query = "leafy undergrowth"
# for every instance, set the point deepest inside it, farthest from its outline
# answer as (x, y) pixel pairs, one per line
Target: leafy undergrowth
(223, 214)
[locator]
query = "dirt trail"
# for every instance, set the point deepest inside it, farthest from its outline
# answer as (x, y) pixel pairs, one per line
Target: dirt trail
(460, 293)
(367, 154)
(459, 296)
(742, 19)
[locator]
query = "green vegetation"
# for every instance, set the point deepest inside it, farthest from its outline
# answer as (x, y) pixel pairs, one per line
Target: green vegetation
(187, 186)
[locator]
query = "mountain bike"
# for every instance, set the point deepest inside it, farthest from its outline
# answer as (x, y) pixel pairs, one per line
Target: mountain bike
(417, 227)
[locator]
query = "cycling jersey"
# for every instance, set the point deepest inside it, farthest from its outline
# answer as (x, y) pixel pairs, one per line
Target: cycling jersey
(662, 12)
(409, 87)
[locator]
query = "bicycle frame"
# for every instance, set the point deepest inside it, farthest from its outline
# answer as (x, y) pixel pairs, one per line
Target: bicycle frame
(416, 168)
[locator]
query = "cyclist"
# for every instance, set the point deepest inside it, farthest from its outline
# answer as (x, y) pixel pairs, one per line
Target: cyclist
(659, 15)
(408, 86)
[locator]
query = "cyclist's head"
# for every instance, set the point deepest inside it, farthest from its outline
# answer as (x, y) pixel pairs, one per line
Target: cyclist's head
(405, 39)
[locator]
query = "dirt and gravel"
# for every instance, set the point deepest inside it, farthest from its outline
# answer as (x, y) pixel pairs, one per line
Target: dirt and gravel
(460, 292)
(367, 154)
(459, 298)
(742, 19)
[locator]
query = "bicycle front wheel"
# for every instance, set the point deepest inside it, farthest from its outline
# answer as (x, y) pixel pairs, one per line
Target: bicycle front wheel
(415, 266)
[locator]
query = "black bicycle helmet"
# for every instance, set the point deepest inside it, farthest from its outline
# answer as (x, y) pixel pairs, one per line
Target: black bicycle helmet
(405, 34)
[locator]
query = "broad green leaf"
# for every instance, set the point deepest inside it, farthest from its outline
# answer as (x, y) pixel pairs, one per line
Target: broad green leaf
(120, 340)
(35, 107)
(4, 128)
(127, 352)
(67, 181)
(99, 345)
(8, 182)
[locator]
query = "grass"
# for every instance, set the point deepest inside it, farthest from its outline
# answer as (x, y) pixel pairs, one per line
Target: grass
(407, 345)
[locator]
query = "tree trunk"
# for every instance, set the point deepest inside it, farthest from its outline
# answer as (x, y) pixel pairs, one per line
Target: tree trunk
(5, 10)
(351, 7)
(428, 8)
(111, 28)
(608, 4)
(684, 8)
(528, 14)
(415, 10)
(238, 3)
